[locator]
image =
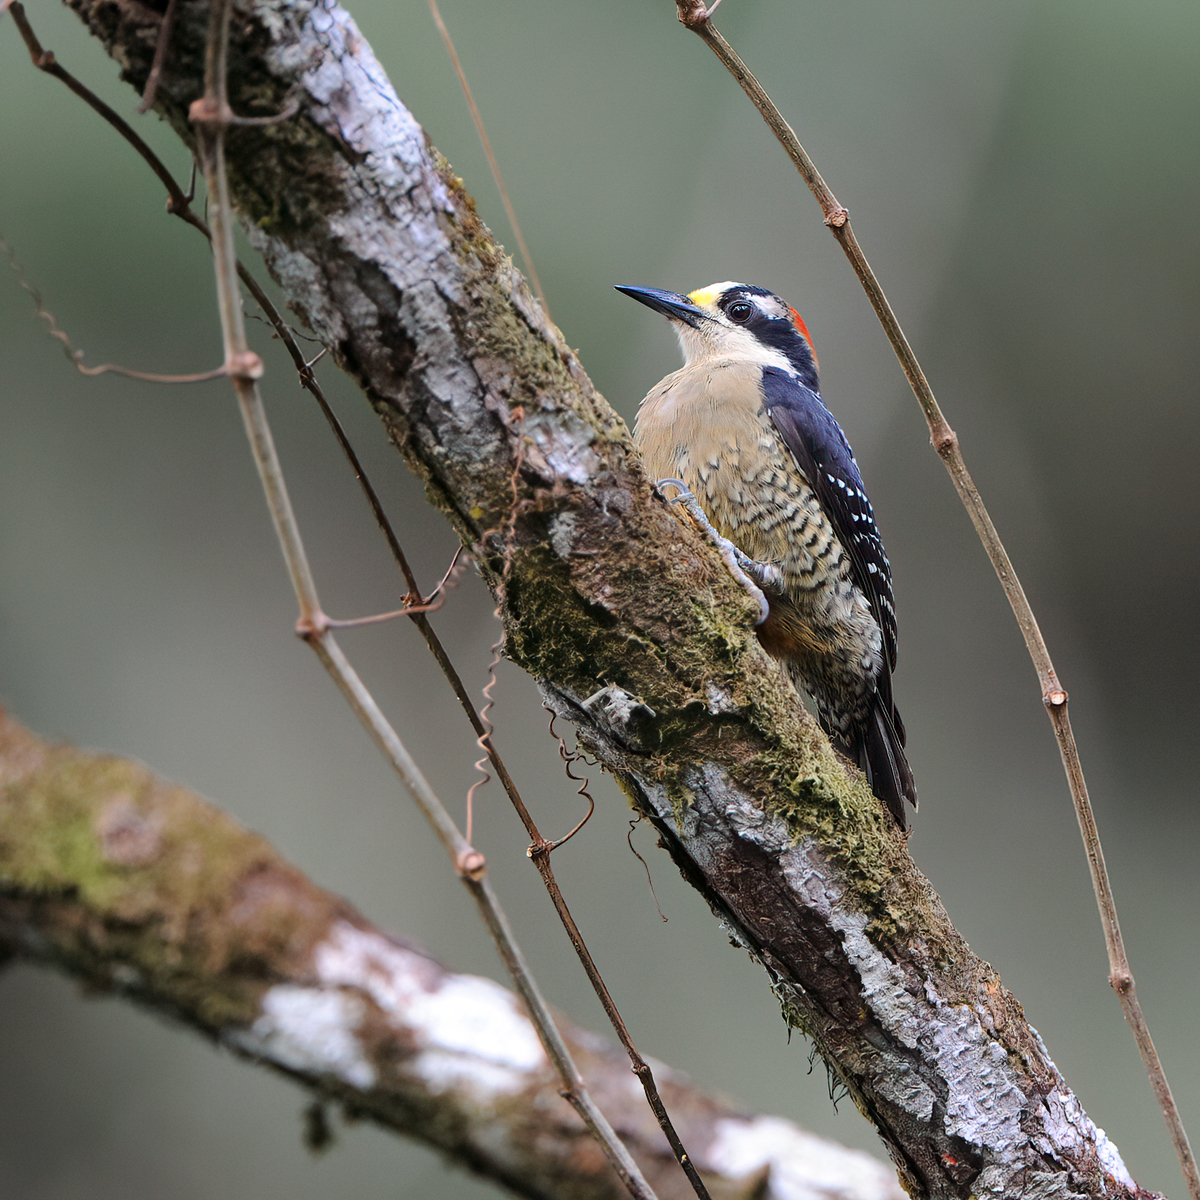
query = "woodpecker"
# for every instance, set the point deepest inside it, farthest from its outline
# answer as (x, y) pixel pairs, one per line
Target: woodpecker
(743, 427)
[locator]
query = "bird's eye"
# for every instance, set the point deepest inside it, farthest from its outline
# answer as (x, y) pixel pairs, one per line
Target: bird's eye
(740, 312)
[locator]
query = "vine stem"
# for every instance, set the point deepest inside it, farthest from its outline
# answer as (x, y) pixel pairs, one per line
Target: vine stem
(477, 118)
(211, 117)
(697, 17)
(179, 204)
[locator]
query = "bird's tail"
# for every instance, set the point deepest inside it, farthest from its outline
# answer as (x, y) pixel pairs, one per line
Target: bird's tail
(881, 756)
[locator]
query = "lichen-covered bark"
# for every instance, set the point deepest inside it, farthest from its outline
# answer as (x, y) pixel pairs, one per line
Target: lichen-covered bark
(625, 618)
(137, 886)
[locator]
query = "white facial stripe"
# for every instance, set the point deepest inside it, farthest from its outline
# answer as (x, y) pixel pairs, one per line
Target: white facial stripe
(724, 340)
(771, 305)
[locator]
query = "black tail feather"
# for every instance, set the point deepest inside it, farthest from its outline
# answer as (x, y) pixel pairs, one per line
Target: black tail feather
(881, 756)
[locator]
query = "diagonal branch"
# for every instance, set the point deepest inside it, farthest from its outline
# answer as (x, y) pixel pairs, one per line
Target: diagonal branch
(608, 597)
(945, 442)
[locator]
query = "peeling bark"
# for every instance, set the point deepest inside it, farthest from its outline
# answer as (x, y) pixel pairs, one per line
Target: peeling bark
(607, 596)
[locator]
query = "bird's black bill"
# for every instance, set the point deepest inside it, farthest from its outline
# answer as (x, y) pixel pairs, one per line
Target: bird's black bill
(670, 304)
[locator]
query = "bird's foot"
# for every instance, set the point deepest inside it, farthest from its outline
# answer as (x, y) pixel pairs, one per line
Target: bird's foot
(752, 575)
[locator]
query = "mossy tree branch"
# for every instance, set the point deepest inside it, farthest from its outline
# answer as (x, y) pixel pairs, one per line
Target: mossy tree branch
(137, 887)
(625, 618)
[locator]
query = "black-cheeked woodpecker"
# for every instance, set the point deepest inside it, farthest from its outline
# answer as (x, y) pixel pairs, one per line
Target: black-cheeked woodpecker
(743, 427)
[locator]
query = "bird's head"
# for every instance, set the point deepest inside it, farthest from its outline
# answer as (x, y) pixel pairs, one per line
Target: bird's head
(735, 320)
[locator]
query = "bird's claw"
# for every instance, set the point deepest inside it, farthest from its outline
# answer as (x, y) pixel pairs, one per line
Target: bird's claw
(683, 494)
(741, 566)
(765, 574)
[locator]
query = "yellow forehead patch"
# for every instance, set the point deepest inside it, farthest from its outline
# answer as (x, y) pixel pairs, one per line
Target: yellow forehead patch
(707, 297)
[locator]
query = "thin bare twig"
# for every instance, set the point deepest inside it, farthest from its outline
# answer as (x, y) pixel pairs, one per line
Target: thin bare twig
(179, 204)
(431, 603)
(487, 149)
(539, 852)
(211, 116)
(75, 355)
(646, 867)
(161, 49)
(569, 759)
(696, 16)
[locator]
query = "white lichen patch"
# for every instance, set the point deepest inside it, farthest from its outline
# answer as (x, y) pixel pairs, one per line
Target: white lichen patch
(983, 1103)
(345, 77)
(1110, 1157)
(616, 708)
(309, 1030)
(472, 1023)
(562, 533)
(798, 1165)
(564, 442)
(467, 1031)
(462, 1033)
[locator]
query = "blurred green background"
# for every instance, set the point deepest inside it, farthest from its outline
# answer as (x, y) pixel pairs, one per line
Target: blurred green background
(1024, 179)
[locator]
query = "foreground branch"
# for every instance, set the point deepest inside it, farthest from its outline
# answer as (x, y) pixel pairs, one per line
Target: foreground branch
(136, 886)
(627, 620)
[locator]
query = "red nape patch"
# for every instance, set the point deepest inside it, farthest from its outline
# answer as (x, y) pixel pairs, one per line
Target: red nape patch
(798, 321)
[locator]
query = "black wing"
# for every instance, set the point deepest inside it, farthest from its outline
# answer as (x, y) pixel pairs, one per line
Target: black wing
(821, 451)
